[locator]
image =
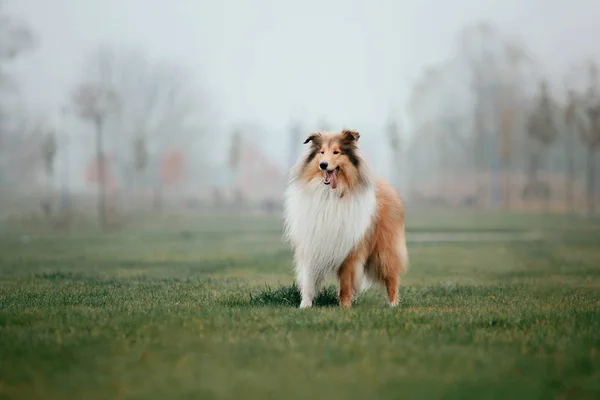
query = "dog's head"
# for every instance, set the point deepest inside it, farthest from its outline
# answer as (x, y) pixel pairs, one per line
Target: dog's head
(333, 157)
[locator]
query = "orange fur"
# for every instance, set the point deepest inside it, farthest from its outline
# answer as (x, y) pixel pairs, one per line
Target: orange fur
(378, 251)
(327, 145)
(382, 251)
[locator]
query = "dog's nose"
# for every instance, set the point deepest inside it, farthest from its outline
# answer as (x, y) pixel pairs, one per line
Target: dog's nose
(323, 165)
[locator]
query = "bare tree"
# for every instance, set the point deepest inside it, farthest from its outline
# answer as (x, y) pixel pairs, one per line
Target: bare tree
(140, 155)
(472, 107)
(95, 102)
(511, 79)
(575, 122)
(235, 162)
(49, 152)
(160, 107)
(439, 107)
(497, 67)
(543, 131)
(477, 44)
(590, 134)
(507, 129)
(425, 116)
(22, 162)
(592, 141)
(16, 38)
(235, 151)
(395, 143)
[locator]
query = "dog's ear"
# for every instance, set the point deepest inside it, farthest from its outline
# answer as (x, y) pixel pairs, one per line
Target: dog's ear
(314, 137)
(350, 135)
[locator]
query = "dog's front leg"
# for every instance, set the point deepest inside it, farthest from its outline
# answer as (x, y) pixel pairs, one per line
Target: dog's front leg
(308, 283)
(351, 275)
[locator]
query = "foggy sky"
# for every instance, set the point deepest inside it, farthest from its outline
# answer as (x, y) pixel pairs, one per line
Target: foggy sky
(272, 60)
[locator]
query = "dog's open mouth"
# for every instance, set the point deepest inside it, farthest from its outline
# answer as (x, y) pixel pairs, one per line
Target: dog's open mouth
(331, 178)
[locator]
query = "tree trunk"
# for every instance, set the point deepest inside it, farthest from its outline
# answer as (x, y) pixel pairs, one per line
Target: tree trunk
(506, 192)
(396, 168)
(478, 158)
(534, 166)
(569, 177)
(441, 170)
(591, 180)
(66, 194)
(407, 190)
(101, 164)
(505, 155)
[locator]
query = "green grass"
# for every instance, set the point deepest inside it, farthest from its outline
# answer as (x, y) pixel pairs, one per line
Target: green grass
(206, 308)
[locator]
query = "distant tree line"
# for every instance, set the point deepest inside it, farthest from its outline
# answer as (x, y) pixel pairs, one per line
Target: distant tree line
(489, 112)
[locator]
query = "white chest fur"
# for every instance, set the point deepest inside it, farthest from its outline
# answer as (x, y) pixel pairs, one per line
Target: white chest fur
(323, 227)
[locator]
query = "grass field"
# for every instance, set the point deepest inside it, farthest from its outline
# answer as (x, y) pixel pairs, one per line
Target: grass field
(493, 306)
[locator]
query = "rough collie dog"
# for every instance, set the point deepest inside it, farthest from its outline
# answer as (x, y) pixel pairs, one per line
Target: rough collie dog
(340, 220)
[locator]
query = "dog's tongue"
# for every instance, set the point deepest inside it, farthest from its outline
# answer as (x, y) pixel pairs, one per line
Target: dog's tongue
(331, 178)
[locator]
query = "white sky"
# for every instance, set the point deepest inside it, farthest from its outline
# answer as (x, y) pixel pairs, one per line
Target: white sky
(272, 60)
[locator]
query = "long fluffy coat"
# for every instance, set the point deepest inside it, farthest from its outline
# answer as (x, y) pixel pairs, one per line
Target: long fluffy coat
(340, 220)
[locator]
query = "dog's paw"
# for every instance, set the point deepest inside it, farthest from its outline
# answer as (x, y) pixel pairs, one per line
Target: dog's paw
(306, 304)
(346, 304)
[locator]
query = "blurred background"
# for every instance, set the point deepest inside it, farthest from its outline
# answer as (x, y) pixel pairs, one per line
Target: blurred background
(144, 152)
(111, 110)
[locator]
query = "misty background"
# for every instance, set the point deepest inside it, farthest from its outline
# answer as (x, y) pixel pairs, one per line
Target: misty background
(206, 103)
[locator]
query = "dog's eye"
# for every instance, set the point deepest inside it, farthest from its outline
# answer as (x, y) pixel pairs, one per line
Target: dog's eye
(322, 152)
(336, 152)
